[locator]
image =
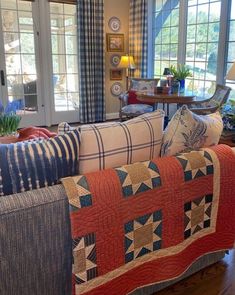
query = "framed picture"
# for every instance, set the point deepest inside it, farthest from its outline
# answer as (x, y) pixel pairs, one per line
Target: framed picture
(116, 74)
(115, 42)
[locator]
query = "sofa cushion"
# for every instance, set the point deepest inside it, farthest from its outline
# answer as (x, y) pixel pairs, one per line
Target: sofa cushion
(31, 165)
(113, 144)
(188, 131)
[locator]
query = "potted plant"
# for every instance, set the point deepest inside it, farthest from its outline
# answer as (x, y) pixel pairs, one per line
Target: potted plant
(9, 120)
(180, 74)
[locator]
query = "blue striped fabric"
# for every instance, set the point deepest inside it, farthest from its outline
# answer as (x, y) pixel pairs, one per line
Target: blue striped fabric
(138, 35)
(91, 60)
(31, 165)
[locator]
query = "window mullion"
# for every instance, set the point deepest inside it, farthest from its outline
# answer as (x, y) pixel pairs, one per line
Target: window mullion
(223, 45)
(182, 31)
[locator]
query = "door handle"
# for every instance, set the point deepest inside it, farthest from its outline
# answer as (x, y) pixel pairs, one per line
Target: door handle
(2, 78)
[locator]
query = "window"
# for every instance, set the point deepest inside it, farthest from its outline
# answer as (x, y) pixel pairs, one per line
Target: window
(193, 32)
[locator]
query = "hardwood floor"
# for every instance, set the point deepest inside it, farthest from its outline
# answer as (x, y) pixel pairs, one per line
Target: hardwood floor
(218, 279)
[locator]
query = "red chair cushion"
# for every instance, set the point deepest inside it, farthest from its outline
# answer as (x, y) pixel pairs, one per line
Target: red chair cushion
(132, 98)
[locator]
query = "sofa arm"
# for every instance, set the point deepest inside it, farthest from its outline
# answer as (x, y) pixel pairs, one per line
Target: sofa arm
(35, 243)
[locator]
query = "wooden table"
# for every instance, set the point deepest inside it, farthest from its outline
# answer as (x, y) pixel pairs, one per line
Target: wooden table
(179, 99)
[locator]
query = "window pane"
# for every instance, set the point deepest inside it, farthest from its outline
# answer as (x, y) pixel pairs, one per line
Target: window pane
(231, 51)
(10, 21)
(202, 13)
(215, 12)
(11, 42)
(27, 43)
(232, 31)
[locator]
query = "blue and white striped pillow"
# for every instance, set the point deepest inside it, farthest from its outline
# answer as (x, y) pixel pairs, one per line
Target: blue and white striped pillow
(31, 165)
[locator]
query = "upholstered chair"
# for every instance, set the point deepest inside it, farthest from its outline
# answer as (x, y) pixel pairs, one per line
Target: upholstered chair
(130, 106)
(212, 104)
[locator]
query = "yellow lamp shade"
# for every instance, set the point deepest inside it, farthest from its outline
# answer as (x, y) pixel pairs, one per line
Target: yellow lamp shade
(231, 73)
(127, 62)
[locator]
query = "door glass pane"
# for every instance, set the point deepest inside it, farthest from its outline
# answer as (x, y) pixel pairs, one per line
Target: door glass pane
(64, 56)
(19, 50)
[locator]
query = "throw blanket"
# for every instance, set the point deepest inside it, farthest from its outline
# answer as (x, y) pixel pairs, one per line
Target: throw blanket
(31, 133)
(148, 222)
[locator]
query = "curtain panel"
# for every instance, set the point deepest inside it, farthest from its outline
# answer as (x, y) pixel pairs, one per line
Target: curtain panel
(138, 36)
(91, 60)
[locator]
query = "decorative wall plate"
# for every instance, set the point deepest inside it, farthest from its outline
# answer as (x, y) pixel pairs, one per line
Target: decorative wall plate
(116, 89)
(114, 24)
(115, 60)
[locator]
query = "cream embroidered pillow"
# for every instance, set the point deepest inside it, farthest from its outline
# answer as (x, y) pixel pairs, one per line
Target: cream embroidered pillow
(188, 131)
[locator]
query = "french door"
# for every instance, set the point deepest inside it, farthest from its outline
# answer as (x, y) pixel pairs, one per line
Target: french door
(38, 62)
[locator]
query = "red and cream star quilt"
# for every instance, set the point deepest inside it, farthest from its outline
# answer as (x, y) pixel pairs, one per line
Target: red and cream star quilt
(147, 222)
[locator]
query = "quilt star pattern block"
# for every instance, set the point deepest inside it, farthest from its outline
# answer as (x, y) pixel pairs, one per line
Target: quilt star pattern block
(143, 235)
(78, 192)
(138, 178)
(197, 215)
(196, 164)
(84, 254)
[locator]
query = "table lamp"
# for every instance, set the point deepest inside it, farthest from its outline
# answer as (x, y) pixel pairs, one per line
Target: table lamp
(127, 62)
(167, 72)
(231, 73)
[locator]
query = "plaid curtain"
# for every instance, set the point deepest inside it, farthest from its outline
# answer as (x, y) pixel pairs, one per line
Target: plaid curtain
(138, 36)
(91, 60)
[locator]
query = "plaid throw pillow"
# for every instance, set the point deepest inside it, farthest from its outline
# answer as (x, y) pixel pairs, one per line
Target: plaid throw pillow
(26, 166)
(113, 144)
